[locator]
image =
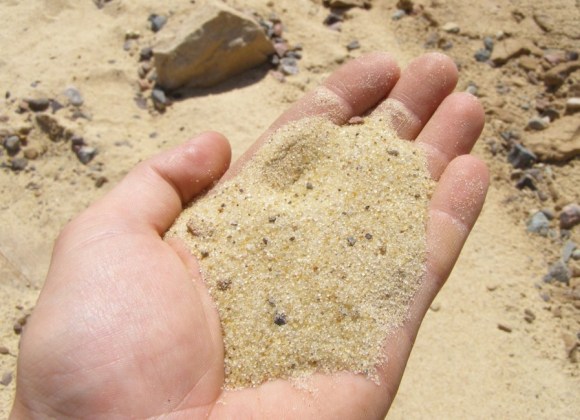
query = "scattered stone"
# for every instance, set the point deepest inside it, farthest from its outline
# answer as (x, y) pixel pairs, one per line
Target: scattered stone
(4, 350)
(100, 181)
(435, 306)
(576, 255)
(472, 89)
(558, 271)
(513, 48)
(529, 316)
(289, 66)
(399, 14)
(159, 99)
(146, 54)
(488, 43)
(39, 104)
(451, 27)
(551, 114)
(157, 22)
(31, 153)
(12, 145)
(572, 105)
(86, 153)
(74, 96)
(406, 5)
(50, 126)
(353, 45)
(556, 76)
(18, 164)
(482, 55)
(6, 379)
(560, 142)
(539, 224)
(280, 319)
(339, 4)
(504, 328)
(543, 21)
(333, 18)
(570, 216)
(216, 42)
(538, 123)
(567, 250)
(520, 157)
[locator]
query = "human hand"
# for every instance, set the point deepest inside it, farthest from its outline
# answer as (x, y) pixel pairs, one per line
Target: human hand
(124, 326)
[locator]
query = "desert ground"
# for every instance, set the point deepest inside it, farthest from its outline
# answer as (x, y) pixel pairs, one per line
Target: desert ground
(502, 340)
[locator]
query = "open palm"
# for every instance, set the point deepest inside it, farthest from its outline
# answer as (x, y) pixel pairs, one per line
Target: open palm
(124, 326)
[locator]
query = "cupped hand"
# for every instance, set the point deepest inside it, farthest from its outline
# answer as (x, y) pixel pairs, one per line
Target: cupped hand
(125, 327)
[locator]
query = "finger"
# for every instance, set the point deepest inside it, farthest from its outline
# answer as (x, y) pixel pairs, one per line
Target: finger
(153, 194)
(454, 208)
(352, 90)
(451, 131)
(422, 87)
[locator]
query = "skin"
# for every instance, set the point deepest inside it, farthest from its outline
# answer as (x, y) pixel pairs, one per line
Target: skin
(124, 326)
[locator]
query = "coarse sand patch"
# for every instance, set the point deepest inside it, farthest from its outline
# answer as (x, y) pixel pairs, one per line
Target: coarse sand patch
(313, 252)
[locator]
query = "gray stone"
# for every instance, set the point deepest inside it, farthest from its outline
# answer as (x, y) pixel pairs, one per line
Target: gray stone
(159, 99)
(146, 54)
(74, 96)
(520, 157)
(12, 145)
(157, 22)
(576, 255)
(488, 43)
(353, 45)
(538, 123)
(570, 216)
(482, 55)
(399, 14)
(19, 164)
(86, 154)
(289, 66)
(451, 27)
(539, 224)
(567, 250)
(558, 271)
(213, 44)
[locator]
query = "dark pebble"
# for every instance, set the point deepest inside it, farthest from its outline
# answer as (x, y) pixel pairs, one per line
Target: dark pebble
(38, 105)
(86, 153)
(351, 241)
(77, 141)
(482, 55)
(157, 22)
(17, 327)
(280, 319)
(558, 271)
(146, 54)
(74, 96)
(12, 145)
(353, 45)
(504, 328)
(572, 55)
(333, 18)
(4, 350)
(539, 224)
(100, 181)
(488, 43)
(520, 157)
(19, 164)
(159, 99)
(369, 236)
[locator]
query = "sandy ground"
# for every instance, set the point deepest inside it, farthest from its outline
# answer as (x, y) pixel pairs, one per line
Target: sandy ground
(463, 365)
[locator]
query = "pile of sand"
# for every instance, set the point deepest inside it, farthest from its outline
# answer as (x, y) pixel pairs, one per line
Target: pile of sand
(314, 251)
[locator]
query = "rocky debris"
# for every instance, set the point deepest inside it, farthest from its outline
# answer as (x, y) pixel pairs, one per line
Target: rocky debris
(576, 255)
(146, 54)
(488, 43)
(406, 5)
(484, 54)
(51, 127)
(556, 76)
(214, 43)
(567, 250)
(18, 164)
(451, 27)
(74, 96)
(558, 271)
(512, 48)
(6, 379)
(100, 3)
(38, 104)
(572, 105)
(85, 154)
(398, 14)
(570, 216)
(156, 22)
(334, 20)
(529, 316)
(289, 66)
(560, 142)
(504, 328)
(520, 157)
(539, 224)
(159, 99)
(342, 4)
(353, 45)
(31, 153)
(12, 145)
(538, 123)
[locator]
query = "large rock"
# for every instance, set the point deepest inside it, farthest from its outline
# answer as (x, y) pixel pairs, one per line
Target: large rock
(512, 48)
(558, 143)
(214, 43)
